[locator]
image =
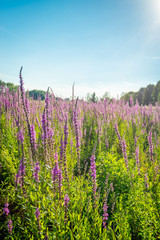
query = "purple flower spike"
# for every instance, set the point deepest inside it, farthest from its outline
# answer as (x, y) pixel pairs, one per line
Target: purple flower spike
(33, 136)
(105, 214)
(20, 136)
(21, 82)
(150, 145)
(37, 213)
(20, 174)
(5, 209)
(118, 134)
(10, 226)
(93, 175)
(66, 200)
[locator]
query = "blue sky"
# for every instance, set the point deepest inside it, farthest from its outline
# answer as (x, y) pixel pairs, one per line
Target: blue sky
(100, 45)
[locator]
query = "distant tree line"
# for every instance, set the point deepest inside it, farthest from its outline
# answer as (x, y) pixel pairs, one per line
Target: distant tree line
(33, 93)
(8, 85)
(145, 96)
(37, 93)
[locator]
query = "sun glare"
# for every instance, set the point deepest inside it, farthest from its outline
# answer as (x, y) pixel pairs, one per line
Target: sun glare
(155, 11)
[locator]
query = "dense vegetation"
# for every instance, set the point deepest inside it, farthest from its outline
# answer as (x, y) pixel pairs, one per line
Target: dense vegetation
(78, 170)
(146, 95)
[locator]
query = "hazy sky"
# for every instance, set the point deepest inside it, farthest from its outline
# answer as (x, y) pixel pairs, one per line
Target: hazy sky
(101, 45)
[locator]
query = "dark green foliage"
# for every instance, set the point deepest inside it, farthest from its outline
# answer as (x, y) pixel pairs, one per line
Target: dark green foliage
(145, 96)
(37, 93)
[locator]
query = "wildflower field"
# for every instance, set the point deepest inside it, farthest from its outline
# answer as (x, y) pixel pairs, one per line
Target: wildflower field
(78, 170)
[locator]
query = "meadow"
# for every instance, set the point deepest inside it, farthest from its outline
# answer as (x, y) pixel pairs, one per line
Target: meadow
(77, 169)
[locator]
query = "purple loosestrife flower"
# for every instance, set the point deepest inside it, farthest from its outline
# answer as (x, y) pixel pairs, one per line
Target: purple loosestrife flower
(150, 145)
(65, 133)
(27, 106)
(33, 137)
(26, 110)
(118, 134)
(93, 175)
(36, 171)
(10, 226)
(21, 136)
(5, 209)
(76, 128)
(66, 200)
(105, 214)
(61, 151)
(47, 99)
(37, 213)
(21, 83)
(21, 173)
(44, 123)
(55, 173)
(146, 181)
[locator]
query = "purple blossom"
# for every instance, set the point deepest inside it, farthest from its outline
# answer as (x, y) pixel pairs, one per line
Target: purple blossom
(61, 150)
(33, 137)
(55, 172)
(47, 130)
(21, 173)
(47, 100)
(5, 209)
(93, 175)
(118, 134)
(21, 83)
(105, 214)
(36, 171)
(66, 200)
(65, 133)
(76, 127)
(44, 123)
(21, 136)
(10, 226)
(27, 106)
(37, 213)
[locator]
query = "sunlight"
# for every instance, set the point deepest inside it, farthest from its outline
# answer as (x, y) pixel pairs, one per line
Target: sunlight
(154, 6)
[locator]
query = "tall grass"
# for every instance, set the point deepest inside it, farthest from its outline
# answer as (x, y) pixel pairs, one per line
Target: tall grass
(78, 170)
